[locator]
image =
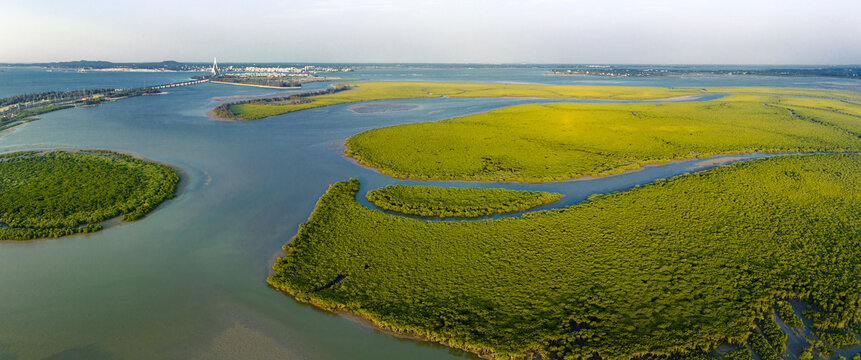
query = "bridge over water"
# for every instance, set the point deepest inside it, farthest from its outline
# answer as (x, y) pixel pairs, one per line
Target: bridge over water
(184, 83)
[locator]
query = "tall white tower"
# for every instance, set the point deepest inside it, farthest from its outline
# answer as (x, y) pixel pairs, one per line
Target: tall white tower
(215, 71)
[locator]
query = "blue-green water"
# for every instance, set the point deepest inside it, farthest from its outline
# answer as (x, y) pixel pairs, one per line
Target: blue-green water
(21, 80)
(188, 281)
(537, 75)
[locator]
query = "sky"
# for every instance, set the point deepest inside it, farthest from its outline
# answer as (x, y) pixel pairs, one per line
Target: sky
(431, 31)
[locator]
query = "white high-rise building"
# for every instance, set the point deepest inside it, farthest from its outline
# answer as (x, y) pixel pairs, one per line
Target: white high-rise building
(215, 71)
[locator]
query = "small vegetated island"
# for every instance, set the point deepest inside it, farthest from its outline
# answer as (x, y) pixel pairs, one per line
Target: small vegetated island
(260, 108)
(673, 267)
(431, 201)
(56, 193)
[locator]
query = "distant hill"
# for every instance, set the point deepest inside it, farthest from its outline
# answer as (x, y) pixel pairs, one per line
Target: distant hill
(89, 64)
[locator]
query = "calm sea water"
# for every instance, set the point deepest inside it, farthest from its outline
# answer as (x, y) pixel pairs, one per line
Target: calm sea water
(188, 281)
(21, 80)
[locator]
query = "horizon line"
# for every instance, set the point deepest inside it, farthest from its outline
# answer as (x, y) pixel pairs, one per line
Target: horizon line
(431, 63)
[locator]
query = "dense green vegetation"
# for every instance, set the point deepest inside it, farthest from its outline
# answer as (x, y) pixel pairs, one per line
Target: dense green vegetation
(121, 93)
(772, 331)
(807, 354)
(784, 310)
(842, 114)
(815, 93)
(838, 339)
(828, 318)
(677, 264)
(51, 96)
(456, 202)
(554, 141)
(740, 354)
(698, 354)
(761, 347)
(60, 193)
(382, 90)
(822, 349)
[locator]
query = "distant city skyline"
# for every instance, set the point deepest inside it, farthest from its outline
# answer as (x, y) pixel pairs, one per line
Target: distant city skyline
(444, 31)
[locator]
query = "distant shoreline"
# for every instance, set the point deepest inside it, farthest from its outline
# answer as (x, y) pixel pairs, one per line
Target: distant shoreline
(123, 70)
(848, 72)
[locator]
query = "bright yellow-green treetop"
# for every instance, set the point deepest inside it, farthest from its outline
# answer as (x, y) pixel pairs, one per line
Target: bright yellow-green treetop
(556, 141)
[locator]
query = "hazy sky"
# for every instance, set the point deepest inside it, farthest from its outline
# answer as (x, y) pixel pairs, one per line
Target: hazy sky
(542, 31)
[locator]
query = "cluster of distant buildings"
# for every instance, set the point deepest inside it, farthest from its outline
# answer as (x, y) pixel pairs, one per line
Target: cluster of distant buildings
(254, 70)
(281, 69)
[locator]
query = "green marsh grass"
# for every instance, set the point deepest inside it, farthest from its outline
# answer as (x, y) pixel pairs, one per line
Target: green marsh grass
(558, 141)
(675, 265)
(431, 201)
